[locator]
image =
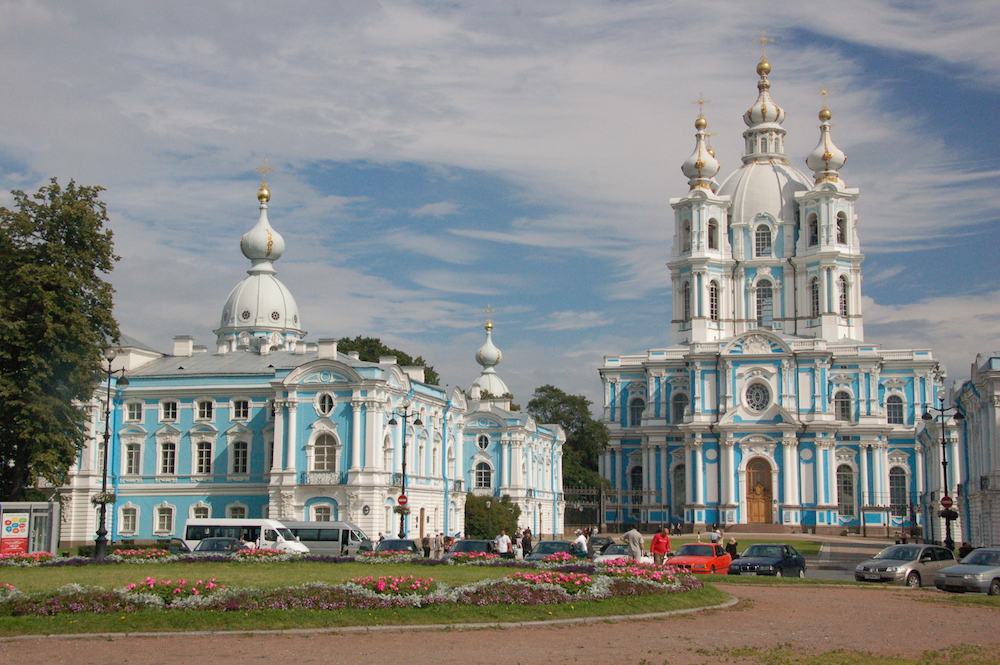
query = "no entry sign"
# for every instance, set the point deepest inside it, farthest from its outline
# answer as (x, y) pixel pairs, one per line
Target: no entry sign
(402, 499)
(946, 502)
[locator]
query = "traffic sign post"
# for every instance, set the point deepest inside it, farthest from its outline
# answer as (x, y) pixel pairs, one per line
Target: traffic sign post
(402, 500)
(946, 502)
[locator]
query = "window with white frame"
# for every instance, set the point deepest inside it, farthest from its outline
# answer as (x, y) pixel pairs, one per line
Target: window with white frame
(765, 304)
(842, 228)
(713, 301)
(133, 412)
(812, 226)
(482, 442)
(324, 404)
(635, 409)
(897, 491)
(814, 297)
(686, 298)
(842, 295)
(168, 411)
(325, 453)
(762, 242)
(236, 512)
(846, 502)
(713, 233)
(240, 458)
(483, 476)
(205, 409)
(894, 410)
(679, 405)
(133, 459)
(241, 409)
(323, 513)
(168, 458)
(201, 512)
(203, 457)
(164, 520)
(842, 406)
(686, 236)
(129, 521)
(758, 397)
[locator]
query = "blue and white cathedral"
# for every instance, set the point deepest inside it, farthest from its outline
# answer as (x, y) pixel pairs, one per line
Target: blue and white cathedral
(770, 408)
(270, 425)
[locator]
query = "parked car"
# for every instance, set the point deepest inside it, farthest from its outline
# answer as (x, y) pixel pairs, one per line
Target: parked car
(775, 559)
(174, 546)
(596, 544)
(469, 545)
(547, 547)
(225, 546)
(979, 572)
(397, 545)
(912, 565)
(614, 551)
(710, 559)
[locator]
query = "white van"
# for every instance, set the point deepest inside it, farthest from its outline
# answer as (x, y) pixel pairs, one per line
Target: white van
(331, 538)
(263, 533)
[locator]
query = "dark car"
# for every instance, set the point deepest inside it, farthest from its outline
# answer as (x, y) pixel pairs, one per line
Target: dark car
(219, 546)
(547, 547)
(469, 545)
(396, 545)
(596, 544)
(769, 559)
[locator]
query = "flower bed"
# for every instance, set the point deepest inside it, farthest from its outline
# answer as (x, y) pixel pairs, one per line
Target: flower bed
(18, 559)
(139, 555)
(472, 558)
(171, 591)
(395, 586)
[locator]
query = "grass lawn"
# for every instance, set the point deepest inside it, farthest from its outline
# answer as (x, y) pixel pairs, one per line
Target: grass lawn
(287, 574)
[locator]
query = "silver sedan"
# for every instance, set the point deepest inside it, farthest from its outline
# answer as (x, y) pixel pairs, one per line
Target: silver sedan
(979, 573)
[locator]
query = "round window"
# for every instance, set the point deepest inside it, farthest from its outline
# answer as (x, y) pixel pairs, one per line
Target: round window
(275, 316)
(483, 442)
(758, 397)
(245, 315)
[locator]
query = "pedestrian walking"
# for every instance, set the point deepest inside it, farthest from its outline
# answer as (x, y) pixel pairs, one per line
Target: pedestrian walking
(660, 545)
(635, 543)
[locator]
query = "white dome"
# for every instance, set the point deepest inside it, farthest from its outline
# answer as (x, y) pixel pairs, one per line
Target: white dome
(260, 303)
(764, 187)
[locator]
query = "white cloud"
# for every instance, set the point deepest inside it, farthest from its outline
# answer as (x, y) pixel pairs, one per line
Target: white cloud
(440, 209)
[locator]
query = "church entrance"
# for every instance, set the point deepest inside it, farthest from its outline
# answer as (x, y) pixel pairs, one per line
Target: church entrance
(759, 492)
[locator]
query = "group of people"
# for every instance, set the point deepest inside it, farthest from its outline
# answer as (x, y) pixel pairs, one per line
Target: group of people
(516, 548)
(435, 545)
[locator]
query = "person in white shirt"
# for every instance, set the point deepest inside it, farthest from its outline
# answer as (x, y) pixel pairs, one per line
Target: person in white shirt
(503, 544)
(580, 544)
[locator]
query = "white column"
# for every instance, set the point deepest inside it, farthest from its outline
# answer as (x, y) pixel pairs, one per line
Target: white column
(733, 473)
(355, 435)
(919, 455)
(791, 469)
(373, 442)
(277, 447)
(688, 474)
(700, 468)
(293, 408)
(863, 463)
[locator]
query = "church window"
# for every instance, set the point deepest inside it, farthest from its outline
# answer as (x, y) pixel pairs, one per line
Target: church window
(133, 412)
(812, 224)
(765, 304)
(757, 397)
(894, 410)
(814, 297)
(164, 521)
(483, 442)
(241, 458)
(200, 512)
(686, 297)
(842, 406)
(203, 457)
(842, 292)
(679, 404)
(323, 513)
(130, 519)
(635, 484)
(205, 409)
(168, 412)
(133, 459)
(762, 241)
(713, 234)
(484, 476)
(635, 409)
(236, 512)
(686, 236)
(325, 404)
(845, 491)
(679, 494)
(713, 301)
(325, 453)
(841, 228)
(897, 491)
(241, 409)
(168, 459)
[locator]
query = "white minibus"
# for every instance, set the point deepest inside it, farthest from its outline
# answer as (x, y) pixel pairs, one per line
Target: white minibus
(332, 538)
(261, 532)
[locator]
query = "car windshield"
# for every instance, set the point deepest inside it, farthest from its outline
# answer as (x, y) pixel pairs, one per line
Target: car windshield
(470, 546)
(764, 551)
(900, 553)
(395, 546)
(696, 550)
(616, 548)
(983, 558)
(286, 534)
(551, 547)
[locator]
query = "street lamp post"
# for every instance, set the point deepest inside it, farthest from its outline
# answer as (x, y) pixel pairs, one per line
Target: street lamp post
(948, 513)
(101, 543)
(392, 423)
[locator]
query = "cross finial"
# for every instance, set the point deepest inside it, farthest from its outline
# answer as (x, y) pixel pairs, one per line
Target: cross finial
(825, 92)
(764, 39)
(701, 101)
(263, 170)
(489, 309)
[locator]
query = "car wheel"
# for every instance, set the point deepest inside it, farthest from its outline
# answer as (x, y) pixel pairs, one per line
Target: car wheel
(802, 572)
(994, 589)
(913, 580)
(779, 573)
(712, 572)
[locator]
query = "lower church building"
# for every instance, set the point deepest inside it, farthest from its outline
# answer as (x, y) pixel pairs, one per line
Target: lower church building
(271, 425)
(770, 412)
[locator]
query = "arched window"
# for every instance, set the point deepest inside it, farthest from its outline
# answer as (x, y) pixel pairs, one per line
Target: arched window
(845, 491)
(713, 300)
(812, 228)
(635, 483)
(842, 228)
(814, 297)
(894, 410)
(679, 494)
(325, 453)
(713, 233)
(765, 304)
(842, 406)
(678, 406)
(635, 409)
(484, 476)
(686, 235)
(897, 491)
(686, 298)
(842, 295)
(762, 241)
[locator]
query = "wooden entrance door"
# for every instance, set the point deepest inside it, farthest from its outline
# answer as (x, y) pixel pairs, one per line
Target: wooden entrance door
(759, 492)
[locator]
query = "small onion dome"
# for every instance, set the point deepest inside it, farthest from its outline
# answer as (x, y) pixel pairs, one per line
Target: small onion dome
(262, 244)
(764, 111)
(702, 166)
(488, 355)
(826, 159)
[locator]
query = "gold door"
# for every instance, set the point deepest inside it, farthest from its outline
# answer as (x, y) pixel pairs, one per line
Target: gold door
(759, 492)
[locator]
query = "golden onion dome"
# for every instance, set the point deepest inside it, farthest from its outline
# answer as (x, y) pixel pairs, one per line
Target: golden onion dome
(263, 194)
(700, 123)
(763, 67)
(825, 114)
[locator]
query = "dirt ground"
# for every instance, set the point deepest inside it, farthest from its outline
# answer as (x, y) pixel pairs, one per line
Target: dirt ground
(811, 619)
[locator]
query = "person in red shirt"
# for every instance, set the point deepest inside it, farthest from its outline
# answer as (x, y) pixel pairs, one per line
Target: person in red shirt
(660, 546)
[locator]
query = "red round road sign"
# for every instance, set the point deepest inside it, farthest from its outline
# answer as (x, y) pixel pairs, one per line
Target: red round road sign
(402, 500)
(946, 502)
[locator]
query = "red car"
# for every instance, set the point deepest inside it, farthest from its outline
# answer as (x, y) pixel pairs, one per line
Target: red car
(702, 558)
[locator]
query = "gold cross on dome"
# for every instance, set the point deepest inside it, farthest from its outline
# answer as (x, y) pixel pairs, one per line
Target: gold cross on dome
(489, 309)
(263, 170)
(825, 92)
(764, 39)
(701, 101)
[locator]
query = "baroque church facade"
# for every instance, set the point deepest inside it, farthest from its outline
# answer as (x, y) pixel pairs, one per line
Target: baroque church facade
(271, 425)
(770, 408)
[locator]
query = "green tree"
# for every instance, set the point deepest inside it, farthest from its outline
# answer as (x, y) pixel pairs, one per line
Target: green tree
(485, 521)
(586, 438)
(55, 321)
(371, 348)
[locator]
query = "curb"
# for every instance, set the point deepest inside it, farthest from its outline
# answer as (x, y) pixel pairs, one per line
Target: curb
(347, 630)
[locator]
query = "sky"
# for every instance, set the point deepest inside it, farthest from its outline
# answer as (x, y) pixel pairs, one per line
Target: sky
(433, 159)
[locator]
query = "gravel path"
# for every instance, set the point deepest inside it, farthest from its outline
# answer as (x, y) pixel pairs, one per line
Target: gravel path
(888, 621)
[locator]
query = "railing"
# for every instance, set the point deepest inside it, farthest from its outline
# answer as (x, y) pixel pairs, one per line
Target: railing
(323, 478)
